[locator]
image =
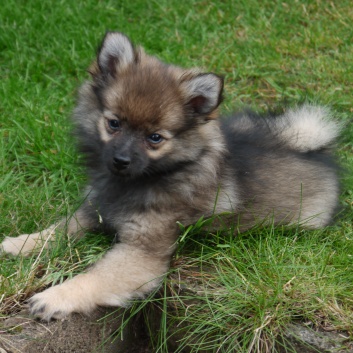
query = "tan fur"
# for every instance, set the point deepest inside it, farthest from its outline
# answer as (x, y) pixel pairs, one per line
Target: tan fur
(128, 273)
(25, 244)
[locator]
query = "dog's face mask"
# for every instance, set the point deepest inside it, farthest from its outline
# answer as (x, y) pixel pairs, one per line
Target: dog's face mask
(152, 113)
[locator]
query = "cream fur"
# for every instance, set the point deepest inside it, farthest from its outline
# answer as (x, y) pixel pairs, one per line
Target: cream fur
(308, 128)
(124, 273)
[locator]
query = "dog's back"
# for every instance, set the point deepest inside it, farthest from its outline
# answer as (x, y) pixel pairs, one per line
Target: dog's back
(284, 166)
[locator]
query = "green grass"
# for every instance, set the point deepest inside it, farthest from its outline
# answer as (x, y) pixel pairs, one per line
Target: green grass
(271, 53)
(229, 293)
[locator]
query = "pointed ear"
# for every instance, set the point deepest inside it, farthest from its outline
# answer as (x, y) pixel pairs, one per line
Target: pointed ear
(203, 92)
(116, 52)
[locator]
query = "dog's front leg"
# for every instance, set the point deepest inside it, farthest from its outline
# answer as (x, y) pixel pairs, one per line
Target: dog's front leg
(26, 244)
(124, 273)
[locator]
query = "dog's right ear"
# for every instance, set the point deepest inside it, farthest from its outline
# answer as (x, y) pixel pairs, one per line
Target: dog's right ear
(115, 54)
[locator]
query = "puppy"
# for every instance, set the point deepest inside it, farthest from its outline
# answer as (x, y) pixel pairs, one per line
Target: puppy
(157, 154)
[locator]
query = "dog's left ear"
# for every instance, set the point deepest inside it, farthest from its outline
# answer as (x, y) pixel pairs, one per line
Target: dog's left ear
(115, 54)
(203, 92)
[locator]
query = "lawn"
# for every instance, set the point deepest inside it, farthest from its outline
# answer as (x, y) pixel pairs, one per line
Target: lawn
(272, 54)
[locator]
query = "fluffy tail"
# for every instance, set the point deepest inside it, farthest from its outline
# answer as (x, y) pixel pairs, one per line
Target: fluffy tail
(307, 128)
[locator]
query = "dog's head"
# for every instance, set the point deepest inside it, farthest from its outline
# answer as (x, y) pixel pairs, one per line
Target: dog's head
(151, 117)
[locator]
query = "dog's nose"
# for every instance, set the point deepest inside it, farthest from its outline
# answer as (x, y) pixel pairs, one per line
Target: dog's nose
(122, 162)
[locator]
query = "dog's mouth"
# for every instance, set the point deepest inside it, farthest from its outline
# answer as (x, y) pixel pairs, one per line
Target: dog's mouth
(125, 173)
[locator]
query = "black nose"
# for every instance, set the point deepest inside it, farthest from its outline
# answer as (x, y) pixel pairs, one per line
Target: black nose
(121, 162)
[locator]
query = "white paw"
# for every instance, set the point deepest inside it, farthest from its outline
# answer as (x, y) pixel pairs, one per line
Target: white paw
(15, 246)
(25, 244)
(56, 303)
(50, 304)
(75, 295)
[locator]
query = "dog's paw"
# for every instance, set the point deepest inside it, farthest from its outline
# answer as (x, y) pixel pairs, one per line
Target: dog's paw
(26, 244)
(53, 303)
(59, 301)
(14, 246)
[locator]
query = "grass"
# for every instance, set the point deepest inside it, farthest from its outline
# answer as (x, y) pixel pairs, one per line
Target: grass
(271, 53)
(229, 293)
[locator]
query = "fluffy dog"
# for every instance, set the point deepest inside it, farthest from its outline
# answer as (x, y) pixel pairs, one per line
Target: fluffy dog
(157, 154)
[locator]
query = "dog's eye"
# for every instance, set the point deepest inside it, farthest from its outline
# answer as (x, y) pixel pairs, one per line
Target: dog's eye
(155, 138)
(114, 124)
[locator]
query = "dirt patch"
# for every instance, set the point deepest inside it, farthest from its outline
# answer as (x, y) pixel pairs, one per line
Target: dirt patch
(77, 334)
